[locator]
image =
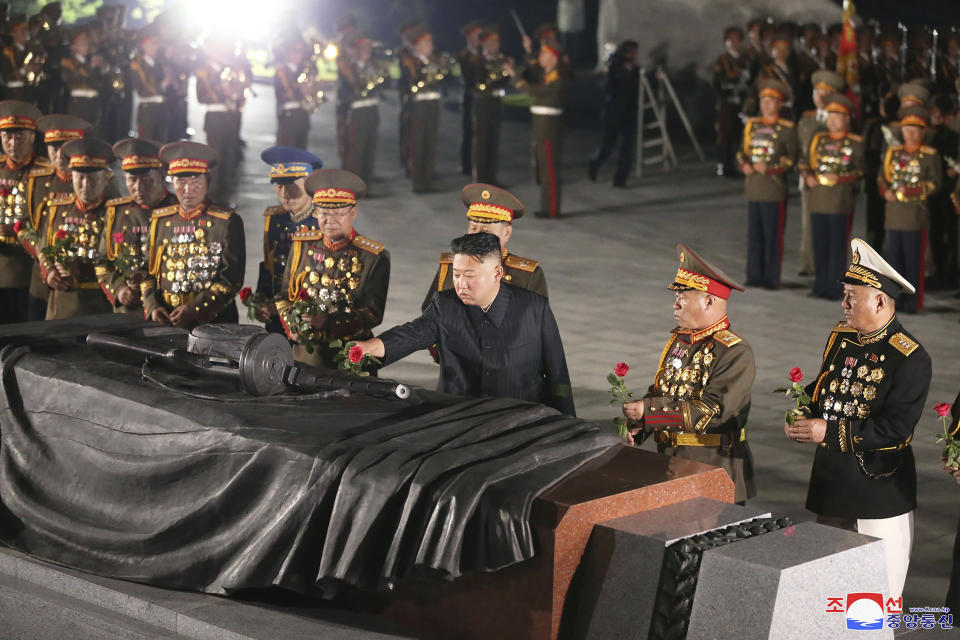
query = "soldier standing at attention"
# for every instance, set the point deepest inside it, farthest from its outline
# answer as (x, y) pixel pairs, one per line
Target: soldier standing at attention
(125, 240)
(220, 90)
(13, 69)
(363, 80)
(699, 402)
(342, 273)
(422, 74)
(150, 81)
(910, 173)
(81, 76)
(492, 210)
(197, 249)
(72, 225)
(769, 150)
(293, 119)
(470, 59)
(621, 104)
(731, 77)
(546, 82)
(289, 168)
(830, 170)
(493, 74)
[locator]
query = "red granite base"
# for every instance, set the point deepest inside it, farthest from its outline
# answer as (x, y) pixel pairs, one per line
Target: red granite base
(525, 601)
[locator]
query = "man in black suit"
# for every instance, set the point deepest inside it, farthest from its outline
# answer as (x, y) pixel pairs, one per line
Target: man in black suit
(494, 340)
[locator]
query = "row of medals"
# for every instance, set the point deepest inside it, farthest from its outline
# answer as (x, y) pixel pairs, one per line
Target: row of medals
(13, 206)
(762, 147)
(833, 160)
(687, 382)
(336, 285)
(905, 171)
(190, 260)
(860, 387)
(84, 237)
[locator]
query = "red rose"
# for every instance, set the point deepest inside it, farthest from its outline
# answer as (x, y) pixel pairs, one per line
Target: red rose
(303, 295)
(796, 375)
(942, 409)
(621, 369)
(17, 226)
(356, 353)
(61, 234)
(245, 293)
(118, 237)
(4, 192)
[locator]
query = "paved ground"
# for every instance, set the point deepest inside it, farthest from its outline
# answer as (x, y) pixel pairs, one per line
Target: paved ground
(607, 263)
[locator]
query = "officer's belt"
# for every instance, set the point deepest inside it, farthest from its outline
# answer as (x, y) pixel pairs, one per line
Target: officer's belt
(16, 84)
(542, 110)
(290, 106)
(151, 100)
(218, 107)
(84, 93)
(176, 299)
(426, 95)
(366, 102)
(680, 439)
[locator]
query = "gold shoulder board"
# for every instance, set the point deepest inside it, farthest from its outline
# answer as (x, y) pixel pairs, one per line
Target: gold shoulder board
(928, 150)
(272, 211)
(855, 137)
(727, 338)
(367, 244)
(516, 262)
(307, 235)
(162, 212)
(446, 258)
(116, 202)
(41, 170)
(217, 212)
(62, 198)
(786, 123)
(903, 344)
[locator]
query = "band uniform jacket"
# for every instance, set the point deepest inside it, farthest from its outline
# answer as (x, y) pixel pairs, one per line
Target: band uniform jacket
(125, 216)
(699, 402)
(520, 272)
(774, 143)
(196, 258)
(912, 176)
(842, 156)
(22, 189)
(512, 351)
(349, 279)
(82, 228)
(871, 390)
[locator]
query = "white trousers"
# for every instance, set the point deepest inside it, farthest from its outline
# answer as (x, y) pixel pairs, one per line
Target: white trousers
(897, 536)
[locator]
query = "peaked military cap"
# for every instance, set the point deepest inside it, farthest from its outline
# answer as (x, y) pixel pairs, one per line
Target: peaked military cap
(289, 163)
(772, 88)
(828, 81)
(335, 188)
(418, 31)
(60, 127)
(868, 269)
(487, 203)
(913, 92)
(138, 154)
(88, 154)
(695, 273)
(551, 45)
(186, 157)
(472, 26)
(838, 103)
(16, 114)
(913, 115)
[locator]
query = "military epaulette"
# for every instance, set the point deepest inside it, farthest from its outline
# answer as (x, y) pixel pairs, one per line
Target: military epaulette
(516, 262)
(219, 212)
(367, 244)
(41, 170)
(446, 258)
(928, 150)
(273, 211)
(163, 212)
(855, 137)
(307, 235)
(116, 202)
(727, 338)
(903, 344)
(62, 199)
(809, 112)
(842, 326)
(786, 123)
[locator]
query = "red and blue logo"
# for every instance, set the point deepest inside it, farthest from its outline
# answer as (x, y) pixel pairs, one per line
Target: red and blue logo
(865, 611)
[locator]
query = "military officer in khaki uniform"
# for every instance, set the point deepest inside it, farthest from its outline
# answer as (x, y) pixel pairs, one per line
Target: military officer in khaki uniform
(830, 170)
(812, 121)
(197, 249)
(867, 398)
(289, 168)
(699, 402)
(492, 210)
(50, 182)
(343, 272)
(18, 124)
(909, 174)
(71, 226)
(769, 151)
(124, 243)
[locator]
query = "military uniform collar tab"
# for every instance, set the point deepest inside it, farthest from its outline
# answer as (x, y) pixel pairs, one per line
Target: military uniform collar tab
(879, 334)
(194, 213)
(337, 246)
(702, 334)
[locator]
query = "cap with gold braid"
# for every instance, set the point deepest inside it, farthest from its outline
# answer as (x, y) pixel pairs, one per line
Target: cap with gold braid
(827, 81)
(772, 88)
(868, 269)
(60, 127)
(188, 158)
(697, 274)
(138, 155)
(913, 94)
(487, 203)
(15, 114)
(88, 154)
(335, 188)
(289, 163)
(913, 115)
(837, 103)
